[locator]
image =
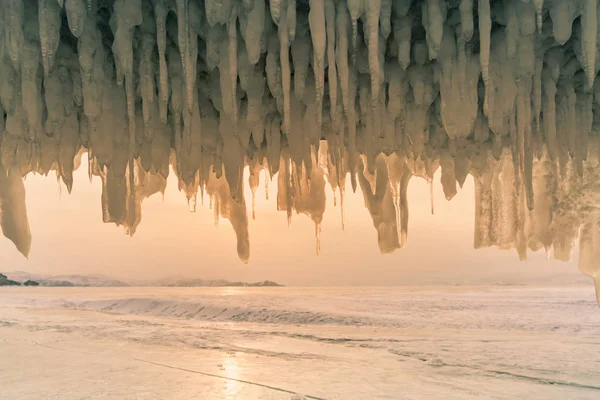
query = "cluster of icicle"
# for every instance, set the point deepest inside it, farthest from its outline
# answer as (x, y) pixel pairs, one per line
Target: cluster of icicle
(314, 91)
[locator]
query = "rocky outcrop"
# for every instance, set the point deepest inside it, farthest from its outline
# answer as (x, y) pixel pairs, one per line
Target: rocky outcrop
(4, 281)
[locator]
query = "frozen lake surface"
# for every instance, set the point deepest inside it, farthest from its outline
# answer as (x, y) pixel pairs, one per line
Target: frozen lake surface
(299, 343)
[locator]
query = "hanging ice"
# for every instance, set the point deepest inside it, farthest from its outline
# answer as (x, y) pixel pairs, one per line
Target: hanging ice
(314, 91)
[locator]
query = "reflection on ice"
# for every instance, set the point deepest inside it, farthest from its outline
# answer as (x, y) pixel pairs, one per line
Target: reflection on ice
(324, 343)
(231, 369)
(314, 91)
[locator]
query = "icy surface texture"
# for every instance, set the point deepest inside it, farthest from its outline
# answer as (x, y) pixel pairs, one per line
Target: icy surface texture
(315, 91)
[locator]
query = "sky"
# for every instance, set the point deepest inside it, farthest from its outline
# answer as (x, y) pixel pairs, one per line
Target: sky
(69, 237)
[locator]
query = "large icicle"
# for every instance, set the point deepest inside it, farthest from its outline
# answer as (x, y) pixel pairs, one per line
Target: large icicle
(342, 35)
(589, 29)
(316, 19)
(254, 31)
(146, 66)
(193, 29)
(13, 30)
(402, 31)
(160, 15)
(331, 59)
(373, 9)
(49, 20)
(76, 11)
(434, 16)
(284, 54)
(233, 69)
(485, 28)
(301, 48)
(13, 211)
(355, 7)
(128, 15)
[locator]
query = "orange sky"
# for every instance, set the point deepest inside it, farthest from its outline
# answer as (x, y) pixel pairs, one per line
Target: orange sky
(69, 237)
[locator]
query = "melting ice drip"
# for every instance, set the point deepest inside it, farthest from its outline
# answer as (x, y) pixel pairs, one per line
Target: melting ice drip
(314, 91)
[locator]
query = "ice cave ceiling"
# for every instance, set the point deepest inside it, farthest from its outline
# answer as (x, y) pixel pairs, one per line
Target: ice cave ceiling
(314, 91)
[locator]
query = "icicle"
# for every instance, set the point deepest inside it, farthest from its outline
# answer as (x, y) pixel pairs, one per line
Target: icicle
(194, 18)
(90, 166)
(562, 13)
(318, 237)
(13, 30)
(373, 9)
(2, 121)
(176, 78)
(406, 175)
(485, 28)
(342, 216)
(550, 74)
(183, 32)
(214, 37)
(49, 21)
(301, 48)
(146, 72)
(431, 195)
(434, 14)
(192, 202)
(160, 14)
(539, 11)
(76, 10)
(537, 92)
(512, 28)
(385, 18)
(275, 10)
(524, 138)
(402, 36)
(14, 222)
(466, 19)
(232, 36)
(355, 8)
(273, 69)
(284, 55)
(589, 28)
(128, 15)
(291, 19)
(254, 30)
(332, 70)
(212, 9)
(341, 48)
(267, 186)
(254, 204)
(316, 19)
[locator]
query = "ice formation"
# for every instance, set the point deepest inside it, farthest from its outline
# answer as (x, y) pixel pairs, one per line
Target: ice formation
(313, 91)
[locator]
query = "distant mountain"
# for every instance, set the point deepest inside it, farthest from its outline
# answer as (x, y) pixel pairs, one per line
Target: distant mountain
(266, 283)
(190, 282)
(102, 281)
(66, 280)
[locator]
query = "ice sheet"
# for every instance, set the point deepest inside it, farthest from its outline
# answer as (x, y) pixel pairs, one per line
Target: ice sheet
(290, 343)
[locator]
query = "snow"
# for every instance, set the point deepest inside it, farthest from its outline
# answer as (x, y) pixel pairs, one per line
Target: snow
(299, 343)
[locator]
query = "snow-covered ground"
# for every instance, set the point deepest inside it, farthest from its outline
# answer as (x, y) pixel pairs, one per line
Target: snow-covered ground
(297, 343)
